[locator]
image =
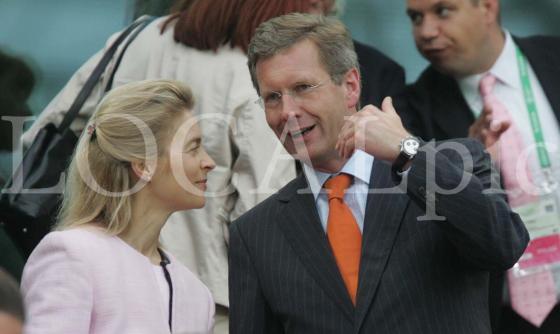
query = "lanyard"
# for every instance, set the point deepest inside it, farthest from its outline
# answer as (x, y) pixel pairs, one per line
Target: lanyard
(523, 66)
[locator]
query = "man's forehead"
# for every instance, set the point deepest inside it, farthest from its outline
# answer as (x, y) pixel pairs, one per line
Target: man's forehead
(427, 4)
(300, 61)
(304, 49)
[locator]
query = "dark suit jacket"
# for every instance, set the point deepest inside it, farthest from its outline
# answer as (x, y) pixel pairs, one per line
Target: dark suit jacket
(415, 276)
(380, 75)
(436, 109)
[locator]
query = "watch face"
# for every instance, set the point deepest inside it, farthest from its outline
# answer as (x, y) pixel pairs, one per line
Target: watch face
(410, 146)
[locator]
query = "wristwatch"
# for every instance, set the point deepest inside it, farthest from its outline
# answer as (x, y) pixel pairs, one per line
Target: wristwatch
(408, 149)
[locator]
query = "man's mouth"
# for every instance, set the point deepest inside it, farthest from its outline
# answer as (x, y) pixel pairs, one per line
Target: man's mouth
(434, 51)
(301, 132)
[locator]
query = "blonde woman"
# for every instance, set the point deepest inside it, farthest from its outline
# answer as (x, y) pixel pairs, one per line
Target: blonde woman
(102, 270)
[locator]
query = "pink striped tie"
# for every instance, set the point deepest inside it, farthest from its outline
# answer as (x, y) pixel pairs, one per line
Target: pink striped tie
(516, 175)
(532, 296)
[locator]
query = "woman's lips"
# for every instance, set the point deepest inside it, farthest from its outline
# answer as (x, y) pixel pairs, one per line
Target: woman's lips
(202, 184)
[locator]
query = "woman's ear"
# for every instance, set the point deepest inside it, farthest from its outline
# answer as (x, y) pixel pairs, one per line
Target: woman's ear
(353, 88)
(141, 170)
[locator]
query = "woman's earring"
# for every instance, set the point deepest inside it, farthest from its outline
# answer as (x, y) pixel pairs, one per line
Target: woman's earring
(147, 177)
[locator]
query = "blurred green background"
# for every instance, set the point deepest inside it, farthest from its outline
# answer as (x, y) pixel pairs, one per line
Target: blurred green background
(56, 36)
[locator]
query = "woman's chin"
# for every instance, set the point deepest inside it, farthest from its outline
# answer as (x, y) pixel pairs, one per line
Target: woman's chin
(196, 204)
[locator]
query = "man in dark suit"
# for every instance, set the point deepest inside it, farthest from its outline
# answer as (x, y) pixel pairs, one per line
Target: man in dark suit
(308, 260)
(464, 43)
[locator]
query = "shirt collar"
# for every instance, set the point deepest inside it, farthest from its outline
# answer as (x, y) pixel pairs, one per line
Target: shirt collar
(359, 165)
(504, 69)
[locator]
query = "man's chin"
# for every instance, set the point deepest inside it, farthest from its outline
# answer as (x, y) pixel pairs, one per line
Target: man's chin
(446, 67)
(299, 152)
(304, 158)
(441, 68)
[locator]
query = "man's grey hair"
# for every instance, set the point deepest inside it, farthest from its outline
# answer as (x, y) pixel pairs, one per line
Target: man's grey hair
(333, 40)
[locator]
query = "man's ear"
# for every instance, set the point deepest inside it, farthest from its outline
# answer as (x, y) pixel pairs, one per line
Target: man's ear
(353, 88)
(141, 170)
(491, 9)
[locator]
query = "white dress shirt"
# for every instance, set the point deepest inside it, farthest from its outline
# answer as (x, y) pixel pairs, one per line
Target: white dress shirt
(359, 166)
(508, 90)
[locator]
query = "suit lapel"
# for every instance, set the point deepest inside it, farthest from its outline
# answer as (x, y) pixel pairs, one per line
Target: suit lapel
(450, 109)
(383, 216)
(547, 69)
(302, 228)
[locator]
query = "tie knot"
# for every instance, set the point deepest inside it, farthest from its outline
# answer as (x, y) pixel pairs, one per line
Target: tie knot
(337, 185)
(487, 84)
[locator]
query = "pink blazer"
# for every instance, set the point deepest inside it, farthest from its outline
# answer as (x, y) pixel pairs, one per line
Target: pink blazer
(85, 281)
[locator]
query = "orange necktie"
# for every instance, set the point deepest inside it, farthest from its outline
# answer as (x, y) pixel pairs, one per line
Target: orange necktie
(343, 233)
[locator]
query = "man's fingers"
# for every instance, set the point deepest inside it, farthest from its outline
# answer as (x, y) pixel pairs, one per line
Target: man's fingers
(368, 109)
(495, 125)
(348, 147)
(483, 135)
(486, 109)
(348, 126)
(487, 120)
(345, 134)
(505, 126)
(499, 127)
(344, 145)
(476, 128)
(387, 105)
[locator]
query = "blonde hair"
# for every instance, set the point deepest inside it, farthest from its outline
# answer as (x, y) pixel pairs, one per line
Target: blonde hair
(333, 41)
(131, 124)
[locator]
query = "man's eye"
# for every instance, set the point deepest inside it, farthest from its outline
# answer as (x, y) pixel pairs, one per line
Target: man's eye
(272, 98)
(443, 12)
(302, 88)
(415, 18)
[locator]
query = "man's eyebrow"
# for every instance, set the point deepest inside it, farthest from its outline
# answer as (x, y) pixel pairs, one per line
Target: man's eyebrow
(432, 7)
(410, 12)
(300, 81)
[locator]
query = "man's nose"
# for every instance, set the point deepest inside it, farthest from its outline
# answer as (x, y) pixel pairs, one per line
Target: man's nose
(290, 107)
(428, 29)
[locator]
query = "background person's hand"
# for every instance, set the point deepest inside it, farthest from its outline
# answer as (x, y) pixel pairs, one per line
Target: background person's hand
(488, 131)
